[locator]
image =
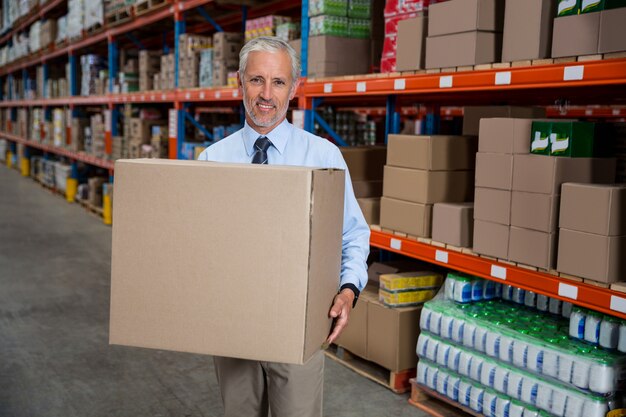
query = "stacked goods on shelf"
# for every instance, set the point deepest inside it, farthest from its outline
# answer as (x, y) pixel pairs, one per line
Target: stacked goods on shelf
(492, 348)
(205, 76)
(189, 58)
(4, 146)
(473, 114)
(598, 329)
(589, 28)
(77, 135)
(142, 142)
(34, 37)
(90, 69)
(592, 231)
(127, 80)
(95, 185)
(61, 30)
(527, 29)
(75, 18)
(164, 80)
(36, 124)
(453, 224)
(225, 59)
(149, 65)
(93, 14)
(366, 166)
(410, 51)
(288, 31)
(407, 289)
(352, 127)
(48, 34)
(264, 26)
(462, 33)
(94, 141)
(421, 171)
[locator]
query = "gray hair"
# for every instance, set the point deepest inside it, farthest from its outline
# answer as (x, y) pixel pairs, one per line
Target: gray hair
(269, 44)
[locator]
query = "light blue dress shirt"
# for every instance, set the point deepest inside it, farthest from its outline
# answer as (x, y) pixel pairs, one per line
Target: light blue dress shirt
(293, 146)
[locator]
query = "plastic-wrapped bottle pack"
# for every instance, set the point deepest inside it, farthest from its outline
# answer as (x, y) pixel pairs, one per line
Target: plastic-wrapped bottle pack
(598, 329)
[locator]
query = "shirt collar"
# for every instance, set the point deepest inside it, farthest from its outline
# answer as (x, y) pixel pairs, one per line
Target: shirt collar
(278, 136)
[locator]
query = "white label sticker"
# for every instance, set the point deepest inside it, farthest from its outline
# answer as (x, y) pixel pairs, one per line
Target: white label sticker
(361, 87)
(588, 112)
(396, 244)
(187, 96)
(573, 73)
(615, 112)
(236, 93)
(162, 96)
(618, 304)
(218, 94)
(569, 291)
(399, 84)
(498, 272)
(202, 95)
(441, 256)
(445, 81)
(132, 98)
(143, 98)
(503, 78)
(152, 97)
(328, 88)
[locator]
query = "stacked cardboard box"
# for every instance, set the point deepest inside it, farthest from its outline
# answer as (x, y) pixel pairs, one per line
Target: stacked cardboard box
(464, 32)
(473, 114)
(189, 58)
(264, 26)
(166, 75)
(527, 29)
(592, 240)
(453, 224)
(48, 33)
(141, 133)
(149, 65)
(226, 47)
(205, 77)
(77, 133)
(411, 44)
(97, 136)
(421, 171)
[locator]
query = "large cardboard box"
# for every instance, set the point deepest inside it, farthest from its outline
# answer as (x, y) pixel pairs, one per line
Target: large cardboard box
(365, 163)
(492, 205)
(473, 114)
(612, 36)
(533, 248)
(453, 223)
(411, 47)
(456, 16)
(527, 29)
(504, 135)
(462, 49)
(545, 174)
(576, 35)
(594, 208)
(596, 257)
(491, 239)
(494, 170)
(403, 216)
(354, 336)
(226, 45)
(288, 223)
(434, 153)
(427, 187)
(330, 56)
(48, 33)
(392, 335)
(371, 209)
(367, 189)
(535, 211)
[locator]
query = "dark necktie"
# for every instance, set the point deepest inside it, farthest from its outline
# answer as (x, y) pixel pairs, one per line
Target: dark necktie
(261, 146)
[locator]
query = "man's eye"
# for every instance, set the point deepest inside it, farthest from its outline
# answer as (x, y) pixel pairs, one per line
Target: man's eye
(279, 82)
(255, 81)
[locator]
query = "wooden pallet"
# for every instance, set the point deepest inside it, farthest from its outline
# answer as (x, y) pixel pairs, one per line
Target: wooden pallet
(94, 29)
(90, 207)
(437, 405)
(146, 6)
(397, 382)
(119, 16)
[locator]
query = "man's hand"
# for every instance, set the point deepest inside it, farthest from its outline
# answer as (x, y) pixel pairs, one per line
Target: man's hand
(340, 311)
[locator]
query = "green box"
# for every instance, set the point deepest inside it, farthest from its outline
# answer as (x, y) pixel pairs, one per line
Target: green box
(360, 9)
(540, 137)
(590, 6)
(614, 4)
(328, 7)
(573, 139)
(568, 7)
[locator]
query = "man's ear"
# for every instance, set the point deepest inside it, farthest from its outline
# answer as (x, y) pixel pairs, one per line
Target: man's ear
(239, 80)
(294, 88)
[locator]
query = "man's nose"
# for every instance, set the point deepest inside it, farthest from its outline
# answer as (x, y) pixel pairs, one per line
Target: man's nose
(266, 93)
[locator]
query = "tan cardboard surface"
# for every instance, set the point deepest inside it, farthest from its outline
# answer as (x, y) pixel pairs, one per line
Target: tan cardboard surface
(180, 233)
(535, 211)
(612, 30)
(427, 187)
(491, 239)
(492, 205)
(533, 248)
(455, 16)
(371, 209)
(494, 170)
(367, 189)
(594, 208)
(505, 135)
(406, 217)
(576, 35)
(545, 174)
(411, 44)
(460, 49)
(435, 153)
(587, 255)
(453, 223)
(527, 29)
(365, 163)
(473, 114)
(330, 56)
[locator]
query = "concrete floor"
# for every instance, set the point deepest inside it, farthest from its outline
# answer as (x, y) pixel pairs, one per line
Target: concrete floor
(55, 359)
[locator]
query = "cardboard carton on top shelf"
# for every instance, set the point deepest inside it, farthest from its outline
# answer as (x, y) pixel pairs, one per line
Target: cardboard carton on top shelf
(411, 44)
(365, 163)
(428, 187)
(535, 211)
(576, 35)
(330, 56)
(534, 248)
(527, 29)
(473, 114)
(456, 16)
(494, 170)
(594, 208)
(492, 205)
(463, 49)
(435, 153)
(491, 239)
(407, 217)
(371, 209)
(612, 36)
(504, 135)
(453, 223)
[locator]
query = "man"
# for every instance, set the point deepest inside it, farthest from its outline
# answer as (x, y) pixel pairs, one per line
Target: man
(268, 76)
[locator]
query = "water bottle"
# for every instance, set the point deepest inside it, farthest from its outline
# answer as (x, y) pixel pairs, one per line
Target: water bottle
(577, 323)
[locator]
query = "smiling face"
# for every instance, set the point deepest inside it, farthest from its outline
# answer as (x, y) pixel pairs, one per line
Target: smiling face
(267, 89)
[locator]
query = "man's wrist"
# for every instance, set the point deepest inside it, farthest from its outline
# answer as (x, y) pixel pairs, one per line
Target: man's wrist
(355, 291)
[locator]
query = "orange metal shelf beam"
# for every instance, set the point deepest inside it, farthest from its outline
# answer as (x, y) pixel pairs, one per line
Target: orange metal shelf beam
(577, 74)
(92, 160)
(589, 296)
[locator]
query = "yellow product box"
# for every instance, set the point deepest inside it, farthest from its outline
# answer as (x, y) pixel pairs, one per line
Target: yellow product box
(406, 281)
(406, 298)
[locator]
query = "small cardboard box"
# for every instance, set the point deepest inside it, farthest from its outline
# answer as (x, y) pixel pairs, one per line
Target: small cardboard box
(494, 170)
(403, 216)
(533, 248)
(367, 189)
(365, 163)
(491, 239)
(433, 153)
(226, 45)
(504, 135)
(545, 174)
(535, 211)
(288, 223)
(527, 29)
(330, 56)
(473, 114)
(612, 30)
(411, 44)
(492, 205)
(427, 187)
(453, 223)
(576, 35)
(371, 209)
(463, 49)
(596, 257)
(456, 16)
(594, 208)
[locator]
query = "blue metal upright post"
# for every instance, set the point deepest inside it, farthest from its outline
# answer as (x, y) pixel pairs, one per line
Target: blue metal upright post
(73, 75)
(392, 117)
(24, 82)
(180, 129)
(179, 29)
(432, 120)
(304, 44)
(113, 62)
